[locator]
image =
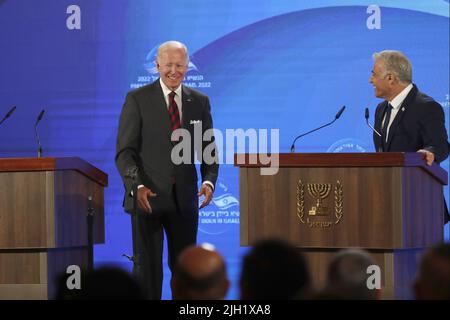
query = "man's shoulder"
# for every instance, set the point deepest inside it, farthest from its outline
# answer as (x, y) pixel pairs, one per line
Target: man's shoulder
(424, 101)
(424, 98)
(194, 92)
(144, 89)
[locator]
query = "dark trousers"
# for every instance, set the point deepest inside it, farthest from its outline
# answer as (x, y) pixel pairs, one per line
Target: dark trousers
(148, 243)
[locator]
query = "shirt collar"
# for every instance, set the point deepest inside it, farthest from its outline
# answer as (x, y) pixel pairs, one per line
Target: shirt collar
(166, 90)
(398, 100)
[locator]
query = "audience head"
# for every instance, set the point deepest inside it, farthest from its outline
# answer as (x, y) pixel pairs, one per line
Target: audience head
(433, 277)
(105, 283)
(347, 276)
(200, 273)
(273, 269)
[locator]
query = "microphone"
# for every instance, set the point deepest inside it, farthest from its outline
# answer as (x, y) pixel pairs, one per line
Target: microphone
(368, 123)
(10, 112)
(37, 134)
(337, 116)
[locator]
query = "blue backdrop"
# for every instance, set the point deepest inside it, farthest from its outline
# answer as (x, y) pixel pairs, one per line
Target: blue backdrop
(287, 65)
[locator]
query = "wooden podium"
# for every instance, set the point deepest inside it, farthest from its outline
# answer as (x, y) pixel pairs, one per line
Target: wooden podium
(43, 222)
(388, 203)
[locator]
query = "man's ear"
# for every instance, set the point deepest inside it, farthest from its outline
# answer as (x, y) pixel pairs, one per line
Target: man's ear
(392, 78)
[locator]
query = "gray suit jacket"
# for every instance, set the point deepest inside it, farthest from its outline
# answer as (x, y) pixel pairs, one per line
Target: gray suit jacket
(143, 142)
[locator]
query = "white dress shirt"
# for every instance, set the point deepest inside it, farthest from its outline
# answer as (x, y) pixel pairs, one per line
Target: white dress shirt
(178, 100)
(396, 103)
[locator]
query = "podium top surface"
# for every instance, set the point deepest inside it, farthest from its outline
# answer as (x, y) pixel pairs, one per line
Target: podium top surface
(54, 164)
(378, 159)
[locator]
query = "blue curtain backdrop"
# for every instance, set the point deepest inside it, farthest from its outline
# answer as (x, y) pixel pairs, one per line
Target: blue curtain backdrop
(287, 65)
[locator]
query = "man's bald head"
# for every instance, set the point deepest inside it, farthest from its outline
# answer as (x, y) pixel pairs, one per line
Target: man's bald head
(200, 273)
(172, 45)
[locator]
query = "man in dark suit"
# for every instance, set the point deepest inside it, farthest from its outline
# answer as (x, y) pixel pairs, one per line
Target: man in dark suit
(159, 176)
(408, 120)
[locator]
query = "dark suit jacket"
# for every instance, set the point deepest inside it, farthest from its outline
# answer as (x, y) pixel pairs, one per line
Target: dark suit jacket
(143, 141)
(419, 124)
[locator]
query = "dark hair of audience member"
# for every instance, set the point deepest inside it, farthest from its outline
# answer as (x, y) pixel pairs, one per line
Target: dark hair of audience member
(273, 269)
(433, 276)
(105, 283)
(347, 276)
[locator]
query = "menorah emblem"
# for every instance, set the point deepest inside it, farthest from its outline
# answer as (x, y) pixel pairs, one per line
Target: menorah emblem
(319, 191)
(318, 216)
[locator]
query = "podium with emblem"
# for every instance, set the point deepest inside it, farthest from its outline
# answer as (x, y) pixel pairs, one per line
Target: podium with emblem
(390, 204)
(51, 214)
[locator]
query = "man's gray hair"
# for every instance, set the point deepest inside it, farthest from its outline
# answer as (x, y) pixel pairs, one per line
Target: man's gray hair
(397, 63)
(172, 44)
(347, 272)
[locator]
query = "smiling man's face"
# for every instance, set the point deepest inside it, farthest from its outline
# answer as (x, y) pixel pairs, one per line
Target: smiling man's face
(172, 65)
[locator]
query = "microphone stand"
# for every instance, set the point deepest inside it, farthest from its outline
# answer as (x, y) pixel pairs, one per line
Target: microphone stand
(90, 234)
(37, 134)
(368, 123)
(325, 125)
(39, 143)
(366, 115)
(132, 174)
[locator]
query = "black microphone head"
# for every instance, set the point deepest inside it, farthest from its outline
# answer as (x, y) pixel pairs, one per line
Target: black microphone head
(366, 115)
(340, 112)
(40, 115)
(10, 112)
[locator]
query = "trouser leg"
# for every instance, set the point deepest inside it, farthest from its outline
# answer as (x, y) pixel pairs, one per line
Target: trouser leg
(148, 243)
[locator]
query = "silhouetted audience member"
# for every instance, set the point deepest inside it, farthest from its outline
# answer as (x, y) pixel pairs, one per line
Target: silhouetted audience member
(105, 283)
(273, 269)
(433, 277)
(347, 277)
(200, 274)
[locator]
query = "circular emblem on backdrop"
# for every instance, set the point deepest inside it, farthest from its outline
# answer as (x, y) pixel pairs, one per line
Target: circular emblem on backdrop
(347, 145)
(221, 214)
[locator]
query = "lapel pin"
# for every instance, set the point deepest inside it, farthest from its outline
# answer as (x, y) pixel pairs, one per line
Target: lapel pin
(403, 109)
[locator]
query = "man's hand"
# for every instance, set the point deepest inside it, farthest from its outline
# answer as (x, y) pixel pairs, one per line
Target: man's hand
(143, 194)
(205, 190)
(427, 156)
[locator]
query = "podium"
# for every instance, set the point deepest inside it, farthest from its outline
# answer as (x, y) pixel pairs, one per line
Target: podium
(390, 204)
(43, 222)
